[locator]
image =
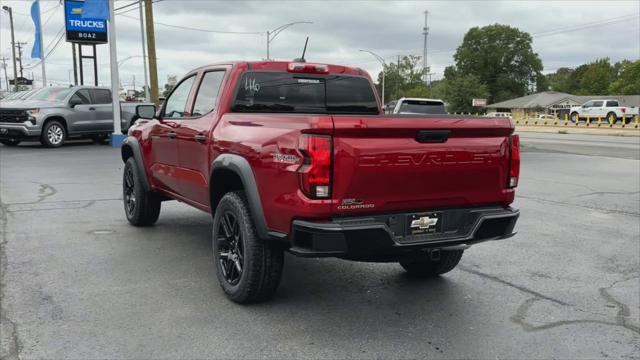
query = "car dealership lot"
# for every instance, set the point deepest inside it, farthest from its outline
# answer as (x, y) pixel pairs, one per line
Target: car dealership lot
(79, 282)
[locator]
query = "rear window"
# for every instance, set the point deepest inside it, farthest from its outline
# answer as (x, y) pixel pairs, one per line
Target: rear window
(284, 92)
(612, 103)
(422, 107)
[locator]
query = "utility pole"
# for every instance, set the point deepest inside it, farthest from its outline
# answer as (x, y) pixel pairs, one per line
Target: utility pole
(144, 53)
(13, 49)
(425, 32)
(151, 47)
(4, 66)
(20, 45)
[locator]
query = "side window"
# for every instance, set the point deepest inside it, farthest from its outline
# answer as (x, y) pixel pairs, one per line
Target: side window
(612, 104)
(207, 93)
(177, 101)
(83, 96)
(597, 104)
(588, 104)
(101, 96)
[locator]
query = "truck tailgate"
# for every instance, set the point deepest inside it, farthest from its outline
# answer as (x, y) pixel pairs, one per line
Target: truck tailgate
(392, 164)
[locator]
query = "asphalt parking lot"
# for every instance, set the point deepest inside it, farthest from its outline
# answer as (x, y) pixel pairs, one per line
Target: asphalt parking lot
(79, 282)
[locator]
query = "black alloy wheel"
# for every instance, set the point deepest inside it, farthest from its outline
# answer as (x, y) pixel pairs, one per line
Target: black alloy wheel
(230, 248)
(129, 192)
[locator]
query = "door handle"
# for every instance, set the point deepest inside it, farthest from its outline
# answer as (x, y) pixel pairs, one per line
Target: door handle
(92, 108)
(172, 135)
(200, 137)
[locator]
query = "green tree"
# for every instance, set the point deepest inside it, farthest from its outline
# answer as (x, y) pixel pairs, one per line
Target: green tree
(460, 90)
(562, 80)
(628, 82)
(596, 78)
(501, 57)
(402, 77)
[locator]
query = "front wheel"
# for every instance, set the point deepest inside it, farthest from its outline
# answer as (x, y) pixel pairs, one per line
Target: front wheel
(10, 142)
(575, 117)
(426, 266)
(53, 134)
(141, 207)
(248, 268)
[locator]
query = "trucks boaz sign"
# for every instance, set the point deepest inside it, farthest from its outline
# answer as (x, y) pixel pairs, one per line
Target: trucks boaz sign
(80, 29)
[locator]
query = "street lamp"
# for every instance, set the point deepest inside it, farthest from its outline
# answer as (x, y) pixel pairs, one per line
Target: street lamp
(13, 48)
(381, 59)
(273, 33)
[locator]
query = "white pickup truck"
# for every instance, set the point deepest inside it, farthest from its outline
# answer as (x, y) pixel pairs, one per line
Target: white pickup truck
(608, 110)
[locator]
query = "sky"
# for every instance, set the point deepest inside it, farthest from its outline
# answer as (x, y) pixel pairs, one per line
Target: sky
(565, 33)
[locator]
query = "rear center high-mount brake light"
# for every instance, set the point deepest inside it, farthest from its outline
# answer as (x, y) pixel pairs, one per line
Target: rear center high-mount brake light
(308, 68)
(315, 172)
(514, 162)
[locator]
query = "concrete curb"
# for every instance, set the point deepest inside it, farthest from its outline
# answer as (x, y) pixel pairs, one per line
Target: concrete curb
(616, 131)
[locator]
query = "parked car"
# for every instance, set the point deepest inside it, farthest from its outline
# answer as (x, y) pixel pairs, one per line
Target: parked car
(495, 114)
(54, 114)
(608, 110)
(298, 157)
(418, 106)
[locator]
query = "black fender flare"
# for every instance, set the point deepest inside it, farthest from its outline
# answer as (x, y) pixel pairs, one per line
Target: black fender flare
(241, 167)
(131, 148)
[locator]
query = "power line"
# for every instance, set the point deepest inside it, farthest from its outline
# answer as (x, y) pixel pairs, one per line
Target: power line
(197, 29)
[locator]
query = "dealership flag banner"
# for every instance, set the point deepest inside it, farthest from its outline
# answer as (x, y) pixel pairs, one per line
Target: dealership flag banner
(36, 51)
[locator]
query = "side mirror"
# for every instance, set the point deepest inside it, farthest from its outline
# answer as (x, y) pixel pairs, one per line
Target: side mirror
(74, 101)
(146, 111)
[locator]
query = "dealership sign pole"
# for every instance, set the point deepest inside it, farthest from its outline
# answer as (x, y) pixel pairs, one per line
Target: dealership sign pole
(116, 137)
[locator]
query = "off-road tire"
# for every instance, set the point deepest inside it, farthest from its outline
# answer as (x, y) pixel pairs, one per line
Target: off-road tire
(10, 142)
(53, 127)
(146, 204)
(262, 260)
(423, 266)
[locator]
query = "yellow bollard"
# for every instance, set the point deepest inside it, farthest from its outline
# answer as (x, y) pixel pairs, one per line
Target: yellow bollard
(588, 121)
(624, 120)
(599, 121)
(566, 119)
(610, 122)
(526, 119)
(637, 118)
(555, 119)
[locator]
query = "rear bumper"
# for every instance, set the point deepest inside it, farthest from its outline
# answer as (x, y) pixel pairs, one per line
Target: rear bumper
(386, 238)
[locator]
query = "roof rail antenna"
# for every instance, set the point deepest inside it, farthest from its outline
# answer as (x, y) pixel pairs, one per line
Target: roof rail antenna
(304, 51)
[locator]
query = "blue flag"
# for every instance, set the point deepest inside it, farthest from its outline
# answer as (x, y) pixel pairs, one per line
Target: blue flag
(36, 51)
(95, 9)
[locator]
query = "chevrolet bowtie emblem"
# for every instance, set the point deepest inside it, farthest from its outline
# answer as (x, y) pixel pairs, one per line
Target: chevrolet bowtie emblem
(424, 222)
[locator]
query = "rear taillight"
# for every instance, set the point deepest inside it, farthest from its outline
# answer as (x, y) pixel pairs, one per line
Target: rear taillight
(514, 162)
(315, 172)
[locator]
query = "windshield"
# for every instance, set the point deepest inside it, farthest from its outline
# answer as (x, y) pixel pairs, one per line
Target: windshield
(51, 94)
(304, 93)
(422, 107)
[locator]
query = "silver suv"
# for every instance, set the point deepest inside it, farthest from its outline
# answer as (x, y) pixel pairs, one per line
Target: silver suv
(54, 114)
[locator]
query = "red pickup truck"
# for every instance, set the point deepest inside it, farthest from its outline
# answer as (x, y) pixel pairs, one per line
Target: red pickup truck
(299, 157)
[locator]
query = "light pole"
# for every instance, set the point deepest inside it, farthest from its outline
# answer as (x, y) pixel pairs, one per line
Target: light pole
(273, 33)
(381, 59)
(13, 49)
(144, 53)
